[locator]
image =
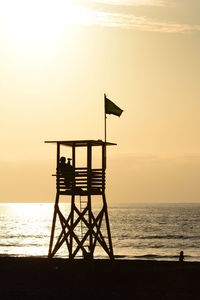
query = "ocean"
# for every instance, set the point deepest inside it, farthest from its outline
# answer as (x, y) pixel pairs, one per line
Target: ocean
(139, 231)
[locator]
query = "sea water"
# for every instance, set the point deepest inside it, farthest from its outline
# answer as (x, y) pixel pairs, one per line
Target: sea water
(139, 231)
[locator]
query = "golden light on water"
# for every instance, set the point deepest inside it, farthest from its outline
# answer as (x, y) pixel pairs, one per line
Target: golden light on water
(28, 227)
(27, 230)
(28, 209)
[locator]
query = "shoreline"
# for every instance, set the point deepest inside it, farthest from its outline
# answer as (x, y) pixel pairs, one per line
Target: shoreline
(59, 278)
(144, 258)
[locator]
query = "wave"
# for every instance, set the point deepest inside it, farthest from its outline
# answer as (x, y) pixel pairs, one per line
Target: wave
(24, 236)
(167, 237)
(20, 245)
(120, 256)
(156, 256)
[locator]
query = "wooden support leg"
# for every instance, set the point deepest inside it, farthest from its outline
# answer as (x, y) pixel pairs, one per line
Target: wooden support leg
(108, 227)
(53, 226)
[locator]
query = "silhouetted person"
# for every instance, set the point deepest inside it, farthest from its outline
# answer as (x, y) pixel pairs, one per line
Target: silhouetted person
(181, 256)
(66, 171)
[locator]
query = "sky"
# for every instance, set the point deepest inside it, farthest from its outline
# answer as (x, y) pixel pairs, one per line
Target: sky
(57, 60)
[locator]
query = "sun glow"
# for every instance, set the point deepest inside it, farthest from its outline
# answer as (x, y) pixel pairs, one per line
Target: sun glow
(38, 23)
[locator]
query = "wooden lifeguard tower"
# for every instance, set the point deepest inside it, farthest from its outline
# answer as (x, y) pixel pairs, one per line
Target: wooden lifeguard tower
(81, 229)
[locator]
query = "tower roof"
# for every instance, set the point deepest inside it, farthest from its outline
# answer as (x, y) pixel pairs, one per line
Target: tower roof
(82, 143)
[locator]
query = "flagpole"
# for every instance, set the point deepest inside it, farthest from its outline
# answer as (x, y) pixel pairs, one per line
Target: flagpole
(105, 130)
(105, 116)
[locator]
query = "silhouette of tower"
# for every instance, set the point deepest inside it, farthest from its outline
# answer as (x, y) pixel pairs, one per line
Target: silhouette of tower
(83, 227)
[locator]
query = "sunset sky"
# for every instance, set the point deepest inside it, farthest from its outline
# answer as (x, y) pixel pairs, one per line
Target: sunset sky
(58, 58)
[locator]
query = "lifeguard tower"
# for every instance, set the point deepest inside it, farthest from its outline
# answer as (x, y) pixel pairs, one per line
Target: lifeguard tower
(83, 228)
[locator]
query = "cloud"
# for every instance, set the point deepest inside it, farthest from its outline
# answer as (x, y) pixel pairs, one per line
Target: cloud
(133, 2)
(130, 21)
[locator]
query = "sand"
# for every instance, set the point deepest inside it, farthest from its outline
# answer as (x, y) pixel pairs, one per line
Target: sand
(41, 278)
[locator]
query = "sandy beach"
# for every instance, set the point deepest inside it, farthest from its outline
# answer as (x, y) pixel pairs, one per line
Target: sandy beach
(41, 278)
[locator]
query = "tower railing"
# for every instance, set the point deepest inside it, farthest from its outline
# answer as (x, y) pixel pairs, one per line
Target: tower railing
(85, 181)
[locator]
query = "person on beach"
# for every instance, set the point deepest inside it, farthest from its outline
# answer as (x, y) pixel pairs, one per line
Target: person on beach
(181, 256)
(66, 171)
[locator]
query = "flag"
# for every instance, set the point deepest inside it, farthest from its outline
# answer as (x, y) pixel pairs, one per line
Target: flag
(111, 108)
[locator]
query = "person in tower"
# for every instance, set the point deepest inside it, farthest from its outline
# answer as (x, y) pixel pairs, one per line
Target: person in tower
(66, 171)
